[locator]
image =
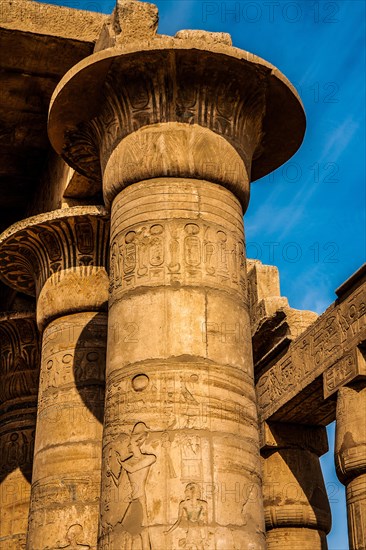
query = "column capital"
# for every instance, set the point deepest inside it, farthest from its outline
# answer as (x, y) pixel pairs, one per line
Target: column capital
(280, 435)
(183, 105)
(60, 257)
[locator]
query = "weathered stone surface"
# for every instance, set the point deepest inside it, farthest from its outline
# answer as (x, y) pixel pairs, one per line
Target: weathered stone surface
(19, 372)
(49, 20)
(166, 82)
(183, 377)
(49, 254)
(291, 386)
(130, 21)
(296, 506)
(61, 258)
(274, 323)
(172, 130)
(175, 128)
(350, 458)
(205, 36)
(67, 459)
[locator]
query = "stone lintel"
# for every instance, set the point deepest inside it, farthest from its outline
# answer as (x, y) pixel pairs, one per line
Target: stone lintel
(50, 20)
(351, 368)
(354, 281)
(281, 435)
(290, 386)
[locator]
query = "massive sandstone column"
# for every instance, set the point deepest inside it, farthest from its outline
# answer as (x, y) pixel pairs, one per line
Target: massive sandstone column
(61, 257)
(350, 456)
(19, 372)
(297, 512)
(176, 128)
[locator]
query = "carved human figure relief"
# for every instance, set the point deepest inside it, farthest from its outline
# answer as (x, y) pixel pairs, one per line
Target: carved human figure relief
(193, 517)
(134, 520)
(166, 445)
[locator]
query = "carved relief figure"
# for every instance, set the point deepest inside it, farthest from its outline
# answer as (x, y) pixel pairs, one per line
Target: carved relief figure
(137, 466)
(74, 538)
(192, 516)
(166, 445)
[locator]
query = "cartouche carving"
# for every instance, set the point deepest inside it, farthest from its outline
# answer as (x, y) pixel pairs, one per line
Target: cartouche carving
(177, 128)
(177, 251)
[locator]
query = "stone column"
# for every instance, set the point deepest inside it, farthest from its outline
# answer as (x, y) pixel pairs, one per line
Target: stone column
(180, 402)
(296, 507)
(172, 126)
(350, 458)
(61, 257)
(19, 372)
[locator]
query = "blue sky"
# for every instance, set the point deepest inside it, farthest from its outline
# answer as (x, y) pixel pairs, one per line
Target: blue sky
(308, 217)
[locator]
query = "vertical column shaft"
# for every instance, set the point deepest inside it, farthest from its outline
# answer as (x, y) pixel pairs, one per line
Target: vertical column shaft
(19, 364)
(180, 446)
(61, 258)
(296, 507)
(66, 474)
(350, 458)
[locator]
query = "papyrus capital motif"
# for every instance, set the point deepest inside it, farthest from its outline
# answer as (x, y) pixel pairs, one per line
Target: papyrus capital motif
(61, 258)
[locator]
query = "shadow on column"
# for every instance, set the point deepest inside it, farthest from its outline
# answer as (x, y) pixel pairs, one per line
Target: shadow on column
(89, 364)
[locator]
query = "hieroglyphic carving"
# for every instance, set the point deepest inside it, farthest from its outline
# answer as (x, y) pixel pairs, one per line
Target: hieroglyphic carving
(151, 92)
(19, 373)
(333, 336)
(178, 400)
(17, 450)
(191, 452)
(32, 250)
(69, 429)
(343, 371)
(19, 356)
(172, 252)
